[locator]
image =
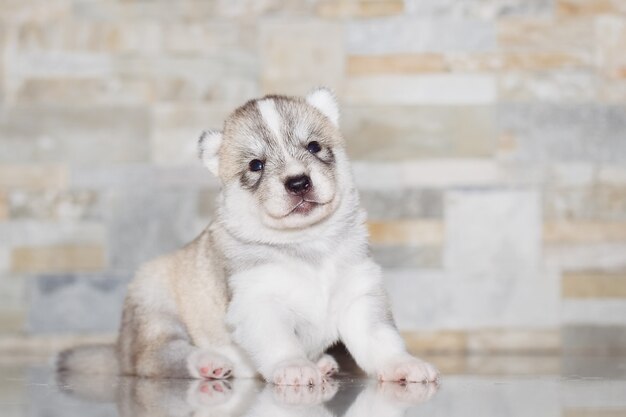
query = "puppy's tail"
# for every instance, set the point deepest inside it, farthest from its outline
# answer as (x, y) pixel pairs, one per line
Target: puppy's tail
(94, 359)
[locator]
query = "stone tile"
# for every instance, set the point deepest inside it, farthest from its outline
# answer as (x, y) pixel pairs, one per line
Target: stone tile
(449, 341)
(359, 8)
(482, 9)
(437, 300)
(395, 64)
(572, 36)
(77, 135)
(603, 340)
(288, 73)
(31, 176)
(409, 203)
(207, 203)
(565, 132)
(575, 232)
(398, 256)
(47, 345)
(428, 173)
(147, 222)
(594, 284)
(597, 203)
(229, 76)
(406, 232)
(4, 206)
(424, 89)
(35, 233)
(596, 312)
(106, 91)
(12, 303)
(514, 340)
(522, 61)
(76, 303)
(76, 205)
(410, 34)
(564, 85)
(610, 37)
(58, 258)
(492, 233)
(577, 174)
(393, 132)
(76, 35)
(590, 256)
(611, 175)
(49, 64)
(576, 8)
(176, 129)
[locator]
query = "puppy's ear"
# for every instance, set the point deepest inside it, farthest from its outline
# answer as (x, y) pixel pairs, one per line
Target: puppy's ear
(324, 100)
(208, 147)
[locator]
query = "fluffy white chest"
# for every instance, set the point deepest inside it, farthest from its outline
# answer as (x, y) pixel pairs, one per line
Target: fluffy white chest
(308, 298)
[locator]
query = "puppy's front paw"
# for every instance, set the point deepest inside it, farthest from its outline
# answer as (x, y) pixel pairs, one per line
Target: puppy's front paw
(327, 365)
(297, 372)
(209, 365)
(408, 369)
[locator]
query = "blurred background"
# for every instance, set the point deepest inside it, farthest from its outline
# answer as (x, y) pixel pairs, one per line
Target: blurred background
(488, 139)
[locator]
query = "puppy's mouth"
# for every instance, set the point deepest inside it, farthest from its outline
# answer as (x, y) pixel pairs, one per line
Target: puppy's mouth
(304, 207)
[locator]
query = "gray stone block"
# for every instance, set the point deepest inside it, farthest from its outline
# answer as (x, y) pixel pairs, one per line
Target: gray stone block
(77, 135)
(407, 256)
(149, 221)
(414, 34)
(76, 303)
(544, 132)
(402, 204)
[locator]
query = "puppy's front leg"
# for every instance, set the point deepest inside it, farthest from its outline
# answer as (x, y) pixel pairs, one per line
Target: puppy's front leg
(264, 329)
(367, 329)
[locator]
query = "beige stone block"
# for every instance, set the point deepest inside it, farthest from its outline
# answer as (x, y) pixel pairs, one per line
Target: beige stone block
(584, 232)
(552, 86)
(446, 341)
(78, 91)
(594, 284)
(514, 340)
(594, 412)
(513, 364)
(574, 37)
(522, 61)
(33, 177)
(38, 346)
(359, 8)
(576, 8)
(432, 89)
(396, 64)
(610, 38)
(299, 54)
(58, 258)
(4, 207)
(406, 232)
(394, 133)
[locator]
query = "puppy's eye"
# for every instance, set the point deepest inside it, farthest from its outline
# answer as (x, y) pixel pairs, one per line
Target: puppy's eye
(314, 147)
(255, 165)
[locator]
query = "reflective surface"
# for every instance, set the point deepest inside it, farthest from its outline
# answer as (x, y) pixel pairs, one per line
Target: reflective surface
(530, 386)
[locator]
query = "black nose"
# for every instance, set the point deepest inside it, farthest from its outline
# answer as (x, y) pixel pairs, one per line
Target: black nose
(298, 185)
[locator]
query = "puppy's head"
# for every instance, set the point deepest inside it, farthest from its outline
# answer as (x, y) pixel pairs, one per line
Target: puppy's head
(281, 161)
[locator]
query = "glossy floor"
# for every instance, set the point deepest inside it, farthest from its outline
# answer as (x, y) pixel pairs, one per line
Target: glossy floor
(484, 386)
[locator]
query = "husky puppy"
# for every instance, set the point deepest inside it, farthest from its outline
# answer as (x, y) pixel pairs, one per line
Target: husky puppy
(280, 275)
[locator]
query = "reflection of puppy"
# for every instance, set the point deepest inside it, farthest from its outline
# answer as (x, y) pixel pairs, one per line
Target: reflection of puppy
(285, 264)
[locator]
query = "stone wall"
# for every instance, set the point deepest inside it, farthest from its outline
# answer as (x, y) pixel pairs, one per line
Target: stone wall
(489, 141)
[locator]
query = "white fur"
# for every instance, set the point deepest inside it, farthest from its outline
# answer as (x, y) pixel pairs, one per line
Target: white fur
(324, 100)
(270, 116)
(209, 145)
